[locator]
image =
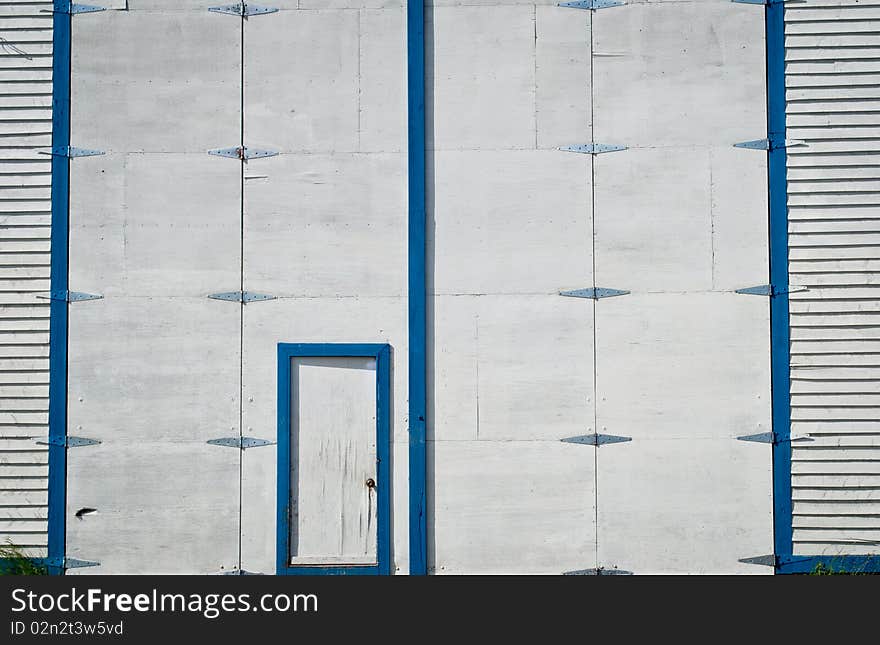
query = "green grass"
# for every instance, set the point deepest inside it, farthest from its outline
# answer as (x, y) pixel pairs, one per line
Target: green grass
(822, 569)
(14, 562)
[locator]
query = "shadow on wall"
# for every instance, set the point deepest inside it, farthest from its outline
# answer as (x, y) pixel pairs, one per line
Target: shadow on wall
(430, 226)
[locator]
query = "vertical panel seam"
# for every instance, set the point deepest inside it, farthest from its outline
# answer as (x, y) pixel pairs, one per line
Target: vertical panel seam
(595, 312)
(242, 165)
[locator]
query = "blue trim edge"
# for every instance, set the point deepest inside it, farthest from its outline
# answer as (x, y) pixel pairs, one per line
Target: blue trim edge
(780, 378)
(58, 309)
(382, 354)
(417, 294)
(853, 564)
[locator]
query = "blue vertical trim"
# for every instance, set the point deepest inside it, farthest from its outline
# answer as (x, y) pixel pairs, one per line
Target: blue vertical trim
(383, 457)
(282, 520)
(382, 354)
(779, 317)
(59, 280)
(418, 399)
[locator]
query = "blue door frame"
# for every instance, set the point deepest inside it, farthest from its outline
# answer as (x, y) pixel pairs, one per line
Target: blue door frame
(382, 354)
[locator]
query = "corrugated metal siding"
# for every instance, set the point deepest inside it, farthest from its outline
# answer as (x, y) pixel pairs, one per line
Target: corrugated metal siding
(833, 93)
(25, 174)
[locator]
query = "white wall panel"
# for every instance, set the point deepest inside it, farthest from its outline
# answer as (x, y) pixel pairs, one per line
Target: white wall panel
(655, 222)
(160, 225)
(739, 218)
(682, 363)
(382, 74)
(184, 96)
(154, 367)
(154, 379)
(682, 505)
(512, 507)
(679, 375)
(681, 366)
(302, 78)
(679, 73)
(510, 226)
(326, 225)
(480, 79)
(510, 221)
(562, 76)
(535, 367)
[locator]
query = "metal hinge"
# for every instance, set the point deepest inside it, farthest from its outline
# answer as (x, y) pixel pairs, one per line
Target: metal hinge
(596, 439)
(240, 442)
(592, 4)
(766, 3)
(71, 296)
(69, 442)
(71, 8)
(241, 296)
(769, 290)
(594, 293)
(773, 438)
(70, 152)
(592, 148)
(68, 563)
(243, 9)
(770, 144)
(242, 153)
(764, 560)
(600, 571)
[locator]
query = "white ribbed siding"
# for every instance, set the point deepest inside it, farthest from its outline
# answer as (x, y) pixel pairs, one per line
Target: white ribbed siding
(833, 94)
(25, 177)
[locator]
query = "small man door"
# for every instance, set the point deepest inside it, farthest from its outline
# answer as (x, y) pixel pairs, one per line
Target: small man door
(333, 458)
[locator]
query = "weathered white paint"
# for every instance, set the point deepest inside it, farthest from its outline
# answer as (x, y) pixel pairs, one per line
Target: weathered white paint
(680, 365)
(324, 222)
(833, 195)
(679, 74)
(509, 222)
(25, 179)
(679, 219)
(680, 375)
(512, 365)
(512, 507)
(326, 225)
(333, 457)
(154, 367)
(160, 225)
(154, 392)
(311, 320)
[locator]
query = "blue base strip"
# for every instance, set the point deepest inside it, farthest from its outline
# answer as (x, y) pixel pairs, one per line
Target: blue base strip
(832, 564)
(59, 282)
(418, 541)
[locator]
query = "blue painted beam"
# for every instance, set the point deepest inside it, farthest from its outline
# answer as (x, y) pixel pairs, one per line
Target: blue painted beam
(779, 317)
(417, 291)
(58, 309)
